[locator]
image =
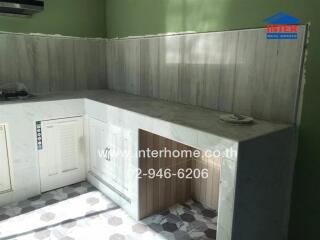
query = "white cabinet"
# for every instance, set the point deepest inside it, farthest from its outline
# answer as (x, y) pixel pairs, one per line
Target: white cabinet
(61, 153)
(5, 181)
(100, 147)
(110, 152)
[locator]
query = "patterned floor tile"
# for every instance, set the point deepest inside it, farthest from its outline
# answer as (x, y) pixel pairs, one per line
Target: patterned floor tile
(185, 221)
(81, 212)
(45, 199)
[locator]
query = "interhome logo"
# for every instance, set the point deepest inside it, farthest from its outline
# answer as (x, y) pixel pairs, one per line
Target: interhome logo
(282, 26)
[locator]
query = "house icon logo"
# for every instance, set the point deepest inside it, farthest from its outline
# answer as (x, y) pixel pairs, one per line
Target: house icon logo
(282, 26)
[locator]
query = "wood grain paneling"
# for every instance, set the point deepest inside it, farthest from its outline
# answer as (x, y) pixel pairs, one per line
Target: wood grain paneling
(61, 64)
(50, 63)
(169, 68)
(156, 194)
(206, 190)
(123, 65)
(41, 61)
(234, 71)
(17, 59)
(149, 85)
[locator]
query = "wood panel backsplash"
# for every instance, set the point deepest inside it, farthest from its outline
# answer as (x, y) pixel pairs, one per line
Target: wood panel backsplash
(233, 71)
(52, 63)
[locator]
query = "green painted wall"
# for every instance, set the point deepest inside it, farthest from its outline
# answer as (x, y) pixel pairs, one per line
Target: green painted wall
(140, 17)
(83, 18)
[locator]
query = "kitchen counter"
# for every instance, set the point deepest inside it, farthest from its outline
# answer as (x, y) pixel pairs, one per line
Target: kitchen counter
(254, 160)
(198, 118)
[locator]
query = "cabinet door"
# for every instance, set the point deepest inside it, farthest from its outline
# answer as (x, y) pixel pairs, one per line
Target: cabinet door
(5, 182)
(99, 147)
(123, 147)
(109, 144)
(61, 158)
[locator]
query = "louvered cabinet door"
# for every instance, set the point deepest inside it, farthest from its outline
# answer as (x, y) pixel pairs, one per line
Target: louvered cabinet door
(5, 182)
(61, 158)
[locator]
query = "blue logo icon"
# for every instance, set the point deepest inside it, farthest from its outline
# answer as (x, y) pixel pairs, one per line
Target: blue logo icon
(282, 26)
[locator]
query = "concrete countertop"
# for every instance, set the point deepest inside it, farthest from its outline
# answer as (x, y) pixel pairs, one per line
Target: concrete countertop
(198, 118)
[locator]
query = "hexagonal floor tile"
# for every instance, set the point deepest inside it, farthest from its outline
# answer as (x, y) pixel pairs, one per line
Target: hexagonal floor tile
(68, 189)
(156, 227)
(38, 203)
(27, 209)
(187, 217)
(139, 228)
(172, 218)
(91, 188)
(197, 226)
(86, 184)
(67, 238)
(197, 205)
(92, 201)
(25, 203)
(34, 198)
(4, 217)
(168, 235)
(180, 235)
(73, 194)
(81, 190)
(60, 196)
(42, 234)
(164, 213)
(115, 221)
(51, 201)
(13, 211)
(211, 233)
(169, 227)
(209, 213)
(197, 235)
(47, 196)
(46, 217)
(186, 206)
(117, 236)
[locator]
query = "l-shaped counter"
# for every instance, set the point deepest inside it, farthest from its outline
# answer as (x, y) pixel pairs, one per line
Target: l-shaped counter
(259, 175)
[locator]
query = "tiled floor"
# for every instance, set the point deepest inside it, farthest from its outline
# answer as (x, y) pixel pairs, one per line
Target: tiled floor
(82, 212)
(188, 221)
(45, 199)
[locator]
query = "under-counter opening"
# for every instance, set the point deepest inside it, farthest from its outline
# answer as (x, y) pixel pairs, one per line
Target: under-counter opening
(169, 182)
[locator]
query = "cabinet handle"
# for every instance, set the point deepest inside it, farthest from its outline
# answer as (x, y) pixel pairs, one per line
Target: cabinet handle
(107, 154)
